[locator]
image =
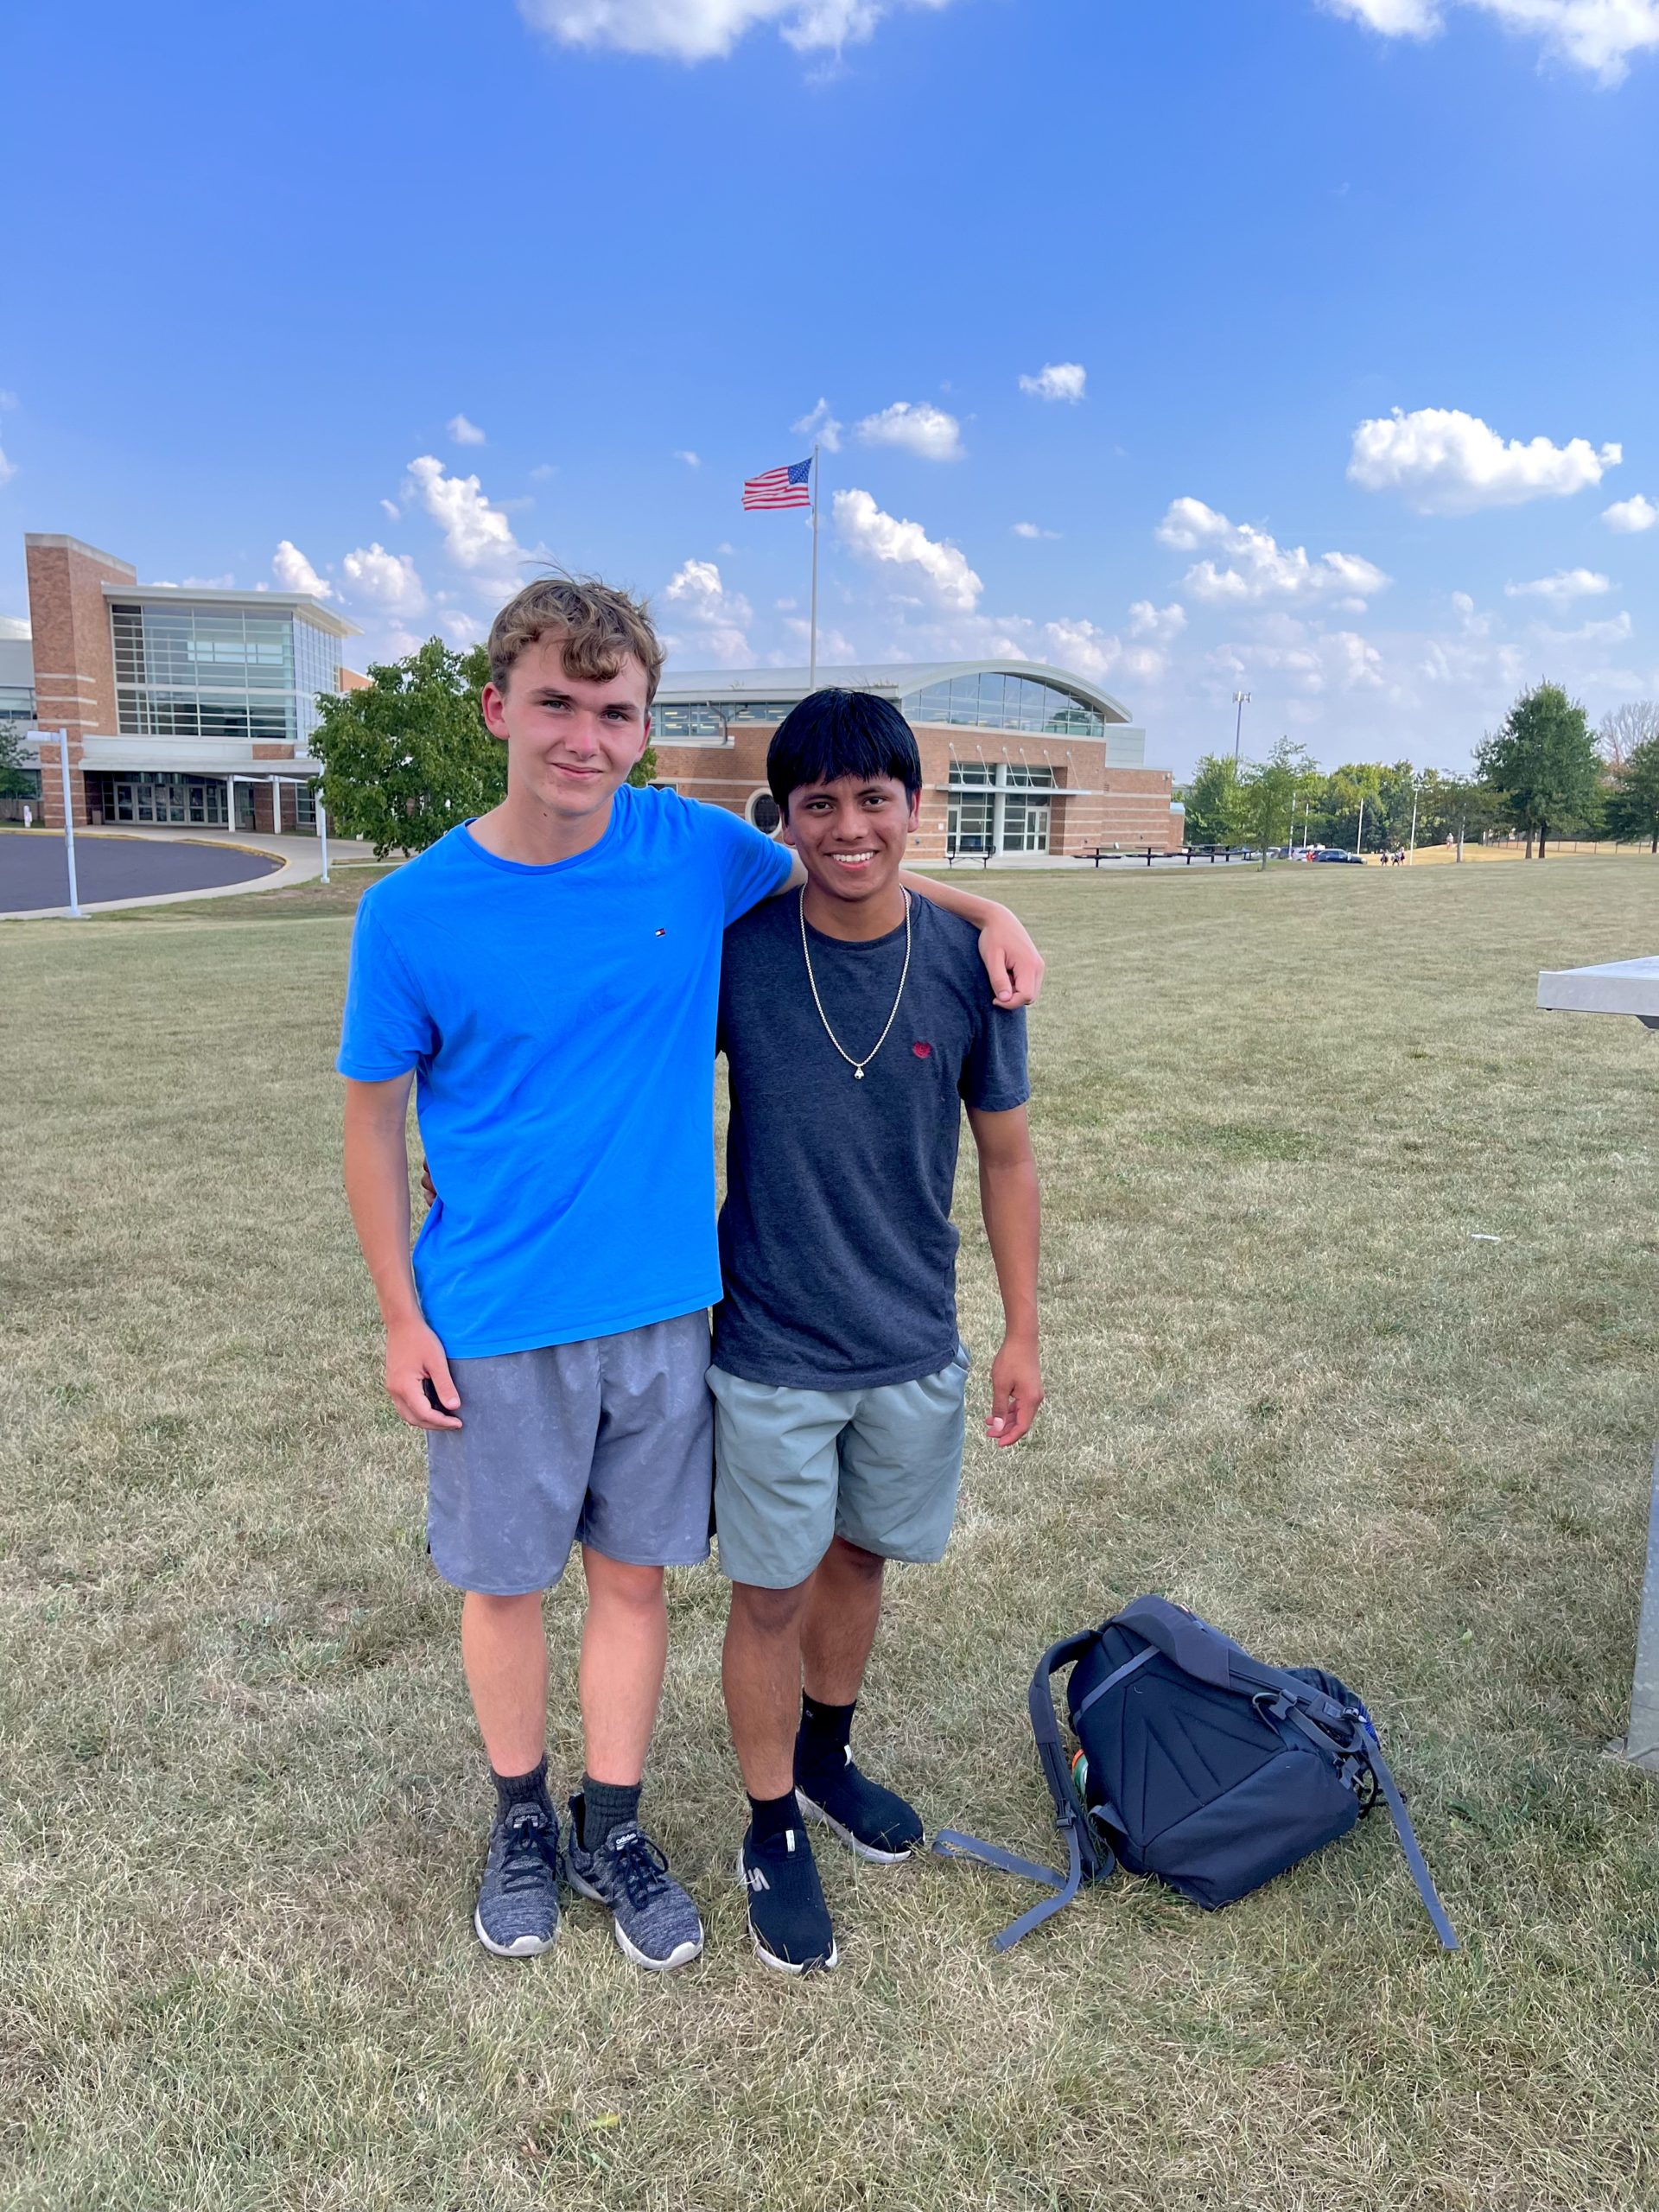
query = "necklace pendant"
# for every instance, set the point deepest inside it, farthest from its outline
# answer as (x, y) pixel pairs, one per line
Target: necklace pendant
(858, 1075)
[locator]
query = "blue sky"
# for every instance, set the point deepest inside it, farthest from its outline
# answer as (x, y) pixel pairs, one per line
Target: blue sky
(1304, 346)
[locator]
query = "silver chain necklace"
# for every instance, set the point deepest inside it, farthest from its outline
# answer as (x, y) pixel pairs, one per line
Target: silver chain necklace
(857, 1066)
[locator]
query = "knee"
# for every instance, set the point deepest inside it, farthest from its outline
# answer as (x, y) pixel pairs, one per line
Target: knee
(853, 1560)
(503, 1612)
(768, 1613)
(614, 1582)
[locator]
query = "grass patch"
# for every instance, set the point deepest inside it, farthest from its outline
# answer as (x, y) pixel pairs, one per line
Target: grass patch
(240, 1810)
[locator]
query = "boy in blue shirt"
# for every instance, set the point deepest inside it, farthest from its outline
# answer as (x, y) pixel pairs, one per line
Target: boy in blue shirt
(547, 977)
(856, 1023)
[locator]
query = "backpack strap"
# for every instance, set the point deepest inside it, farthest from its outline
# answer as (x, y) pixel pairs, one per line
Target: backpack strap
(1395, 1800)
(1088, 1858)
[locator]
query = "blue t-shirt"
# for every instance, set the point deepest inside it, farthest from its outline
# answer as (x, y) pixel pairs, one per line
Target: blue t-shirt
(561, 1024)
(836, 1239)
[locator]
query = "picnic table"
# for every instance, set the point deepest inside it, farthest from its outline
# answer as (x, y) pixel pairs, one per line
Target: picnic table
(1098, 852)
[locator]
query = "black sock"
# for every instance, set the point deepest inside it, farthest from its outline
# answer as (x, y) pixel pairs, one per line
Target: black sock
(604, 1808)
(770, 1816)
(530, 1789)
(821, 1747)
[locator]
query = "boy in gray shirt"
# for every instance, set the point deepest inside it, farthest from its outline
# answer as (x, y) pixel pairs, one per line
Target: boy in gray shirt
(856, 1024)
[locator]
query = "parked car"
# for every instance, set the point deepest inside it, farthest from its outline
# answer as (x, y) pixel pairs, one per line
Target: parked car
(1336, 853)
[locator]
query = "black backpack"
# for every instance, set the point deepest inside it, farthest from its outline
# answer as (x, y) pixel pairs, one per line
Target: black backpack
(1198, 1763)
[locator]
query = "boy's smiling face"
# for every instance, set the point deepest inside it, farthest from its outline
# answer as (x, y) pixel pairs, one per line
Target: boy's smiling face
(571, 740)
(852, 835)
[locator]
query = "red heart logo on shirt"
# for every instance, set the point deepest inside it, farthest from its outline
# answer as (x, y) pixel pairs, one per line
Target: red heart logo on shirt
(922, 1052)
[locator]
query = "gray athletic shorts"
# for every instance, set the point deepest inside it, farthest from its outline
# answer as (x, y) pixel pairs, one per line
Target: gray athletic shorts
(879, 1468)
(608, 1442)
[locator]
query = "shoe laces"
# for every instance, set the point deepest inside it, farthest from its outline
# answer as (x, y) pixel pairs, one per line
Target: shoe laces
(641, 1866)
(528, 1849)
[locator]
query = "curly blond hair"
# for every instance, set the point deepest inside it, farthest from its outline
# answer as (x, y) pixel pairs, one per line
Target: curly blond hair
(599, 626)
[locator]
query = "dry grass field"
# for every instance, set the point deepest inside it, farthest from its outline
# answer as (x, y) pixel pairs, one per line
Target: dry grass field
(240, 1801)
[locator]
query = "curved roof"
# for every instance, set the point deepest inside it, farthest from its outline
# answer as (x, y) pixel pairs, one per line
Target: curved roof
(731, 686)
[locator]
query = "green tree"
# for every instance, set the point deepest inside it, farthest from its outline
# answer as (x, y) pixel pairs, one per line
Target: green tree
(408, 757)
(1215, 802)
(1633, 801)
(1365, 801)
(1541, 765)
(17, 780)
(644, 768)
(1269, 788)
(1454, 807)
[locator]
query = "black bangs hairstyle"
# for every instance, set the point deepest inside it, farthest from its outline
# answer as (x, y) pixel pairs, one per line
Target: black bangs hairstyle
(836, 733)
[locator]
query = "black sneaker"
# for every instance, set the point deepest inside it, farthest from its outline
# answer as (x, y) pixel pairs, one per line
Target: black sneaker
(788, 1917)
(873, 1821)
(517, 1912)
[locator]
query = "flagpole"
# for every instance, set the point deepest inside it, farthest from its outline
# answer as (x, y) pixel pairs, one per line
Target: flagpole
(812, 664)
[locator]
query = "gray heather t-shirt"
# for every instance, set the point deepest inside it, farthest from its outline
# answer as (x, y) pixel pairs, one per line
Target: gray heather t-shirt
(836, 1247)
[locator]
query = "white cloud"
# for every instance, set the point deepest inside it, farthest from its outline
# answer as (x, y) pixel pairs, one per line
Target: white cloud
(226, 582)
(7, 469)
(1629, 515)
(542, 471)
(1057, 380)
(1446, 462)
(878, 537)
(1033, 529)
(295, 573)
(820, 424)
(690, 459)
(15, 626)
(387, 579)
(1598, 36)
(1305, 666)
(1086, 650)
(1259, 567)
(1612, 631)
(1565, 585)
(465, 432)
(922, 430)
(1162, 623)
(391, 510)
(720, 617)
(1393, 18)
(1471, 623)
(7, 399)
(463, 629)
(704, 30)
(476, 535)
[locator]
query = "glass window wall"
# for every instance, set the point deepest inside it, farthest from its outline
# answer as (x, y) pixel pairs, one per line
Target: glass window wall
(234, 676)
(1001, 701)
(687, 725)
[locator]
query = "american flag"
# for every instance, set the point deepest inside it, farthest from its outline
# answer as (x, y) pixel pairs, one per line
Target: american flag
(780, 488)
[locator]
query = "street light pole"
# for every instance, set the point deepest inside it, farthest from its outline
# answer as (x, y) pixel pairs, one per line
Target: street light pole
(1412, 851)
(1241, 700)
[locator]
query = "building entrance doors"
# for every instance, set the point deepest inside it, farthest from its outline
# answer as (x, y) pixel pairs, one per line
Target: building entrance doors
(180, 801)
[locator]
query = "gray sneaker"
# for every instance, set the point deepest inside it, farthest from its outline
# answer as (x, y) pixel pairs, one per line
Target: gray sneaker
(656, 1922)
(518, 1910)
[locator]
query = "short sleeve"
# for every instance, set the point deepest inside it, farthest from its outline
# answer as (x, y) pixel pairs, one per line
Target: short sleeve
(993, 1078)
(752, 867)
(385, 1030)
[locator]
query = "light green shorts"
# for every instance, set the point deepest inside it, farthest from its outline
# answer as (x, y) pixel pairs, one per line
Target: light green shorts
(793, 1468)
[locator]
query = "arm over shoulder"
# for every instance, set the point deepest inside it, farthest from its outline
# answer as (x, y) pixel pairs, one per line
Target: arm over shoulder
(751, 865)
